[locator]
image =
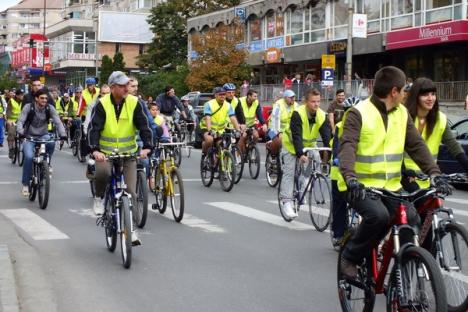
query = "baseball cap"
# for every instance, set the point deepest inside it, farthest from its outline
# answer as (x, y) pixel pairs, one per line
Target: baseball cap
(78, 89)
(289, 93)
(117, 78)
(219, 90)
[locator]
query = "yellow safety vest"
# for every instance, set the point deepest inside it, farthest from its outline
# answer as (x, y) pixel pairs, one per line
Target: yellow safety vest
(119, 134)
(285, 113)
(88, 97)
(335, 170)
(249, 112)
(379, 154)
(234, 103)
(15, 110)
(310, 132)
(65, 111)
(433, 143)
(159, 120)
(220, 118)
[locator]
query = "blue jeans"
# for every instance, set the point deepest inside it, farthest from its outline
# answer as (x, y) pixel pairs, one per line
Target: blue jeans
(28, 150)
(2, 130)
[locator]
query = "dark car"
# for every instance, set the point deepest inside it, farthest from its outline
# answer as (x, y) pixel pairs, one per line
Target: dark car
(445, 161)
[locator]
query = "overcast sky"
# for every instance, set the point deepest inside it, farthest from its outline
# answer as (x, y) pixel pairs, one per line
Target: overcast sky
(5, 4)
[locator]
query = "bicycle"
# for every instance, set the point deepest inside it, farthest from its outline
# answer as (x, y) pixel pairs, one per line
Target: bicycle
(251, 155)
(352, 220)
(317, 188)
(219, 159)
(272, 166)
(405, 287)
(18, 155)
(141, 202)
(186, 136)
(447, 241)
(79, 142)
(168, 181)
(117, 217)
(175, 138)
(39, 183)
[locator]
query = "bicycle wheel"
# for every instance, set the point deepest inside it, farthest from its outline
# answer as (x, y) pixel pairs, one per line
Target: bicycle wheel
(254, 162)
(320, 202)
(280, 205)
(453, 246)
(159, 191)
(236, 153)
(141, 203)
(206, 170)
(32, 186)
(227, 171)
(15, 152)
(75, 147)
(110, 227)
(419, 283)
(176, 195)
(272, 169)
(20, 154)
(43, 184)
(125, 232)
(79, 154)
(359, 294)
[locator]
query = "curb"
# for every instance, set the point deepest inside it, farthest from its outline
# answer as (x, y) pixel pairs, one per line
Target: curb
(8, 297)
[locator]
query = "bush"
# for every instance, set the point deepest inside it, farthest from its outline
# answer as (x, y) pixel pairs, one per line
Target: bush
(154, 84)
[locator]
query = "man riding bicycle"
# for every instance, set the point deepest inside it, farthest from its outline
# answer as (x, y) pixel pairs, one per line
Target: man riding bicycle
(371, 155)
(168, 102)
(250, 109)
(307, 121)
(33, 122)
(13, 112)
(67, 109)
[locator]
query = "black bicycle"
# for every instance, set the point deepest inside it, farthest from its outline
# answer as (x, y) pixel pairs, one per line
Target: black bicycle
(272, 166)
(251, 156)
(141, 202)
(18, 155)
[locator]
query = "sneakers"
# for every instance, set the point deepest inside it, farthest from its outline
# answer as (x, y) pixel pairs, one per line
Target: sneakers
(348, 269)
(288, 210)
(135, 240)
(25, 191)
(98, 206)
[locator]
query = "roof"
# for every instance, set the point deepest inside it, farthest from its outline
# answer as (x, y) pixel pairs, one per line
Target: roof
(38, 4)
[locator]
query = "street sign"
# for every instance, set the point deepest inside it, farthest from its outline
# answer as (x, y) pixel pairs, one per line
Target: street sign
(327, 76)
(359, 26)
(328, 61)
(240, 13)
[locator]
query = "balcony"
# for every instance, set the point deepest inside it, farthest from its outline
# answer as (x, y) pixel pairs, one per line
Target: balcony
(69, 25)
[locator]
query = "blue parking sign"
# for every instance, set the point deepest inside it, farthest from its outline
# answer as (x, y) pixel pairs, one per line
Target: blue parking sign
(327, 74)
(240, 13)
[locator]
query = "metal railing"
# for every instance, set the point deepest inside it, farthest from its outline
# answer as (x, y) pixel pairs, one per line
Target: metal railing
(453, 91)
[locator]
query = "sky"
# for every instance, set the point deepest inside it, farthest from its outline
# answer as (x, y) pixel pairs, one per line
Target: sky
(5, 4)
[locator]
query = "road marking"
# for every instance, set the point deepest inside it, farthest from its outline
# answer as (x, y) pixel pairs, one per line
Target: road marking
(192, 221)
(3, 156)
(260, 215)
(84, 212)
(8, 182)
(458, 212)
(31, 223)
(457, 200)
(74, 182)
(8, 297)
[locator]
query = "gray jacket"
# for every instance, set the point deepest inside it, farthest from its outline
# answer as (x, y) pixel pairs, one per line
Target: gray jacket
(39, 124)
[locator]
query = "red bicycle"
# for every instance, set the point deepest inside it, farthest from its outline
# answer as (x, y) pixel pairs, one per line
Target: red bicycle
(415, 281)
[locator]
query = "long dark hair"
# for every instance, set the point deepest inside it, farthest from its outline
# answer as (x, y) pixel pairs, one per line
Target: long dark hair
(419, 87)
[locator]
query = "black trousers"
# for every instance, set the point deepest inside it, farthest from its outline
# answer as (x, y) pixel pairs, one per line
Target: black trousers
(377, 214)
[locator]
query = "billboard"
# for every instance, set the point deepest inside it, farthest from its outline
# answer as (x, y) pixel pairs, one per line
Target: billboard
(124, 27)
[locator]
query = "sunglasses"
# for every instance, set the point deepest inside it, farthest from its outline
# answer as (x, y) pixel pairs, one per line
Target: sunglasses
(221, 94)
(43, 97)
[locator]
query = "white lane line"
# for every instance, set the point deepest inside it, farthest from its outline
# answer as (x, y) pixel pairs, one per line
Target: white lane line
(260, 215)
(192, 221)
(31, 223)
(8, 296)
(8, 182)
(74, 182)
(457, 200)
(3, 156)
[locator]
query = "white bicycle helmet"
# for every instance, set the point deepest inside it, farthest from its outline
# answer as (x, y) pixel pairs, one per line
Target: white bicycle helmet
(350, 102)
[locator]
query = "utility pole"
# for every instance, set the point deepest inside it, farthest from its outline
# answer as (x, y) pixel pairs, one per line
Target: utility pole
(349, 49)
(43, 46)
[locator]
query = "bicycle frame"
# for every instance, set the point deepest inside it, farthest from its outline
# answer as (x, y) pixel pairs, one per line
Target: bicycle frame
(167, 156)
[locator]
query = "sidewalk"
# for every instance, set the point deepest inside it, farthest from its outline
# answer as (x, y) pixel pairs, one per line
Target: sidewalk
(23, 284)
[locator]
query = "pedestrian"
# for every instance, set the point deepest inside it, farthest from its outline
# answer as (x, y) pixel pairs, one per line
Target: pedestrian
(298, 86)
(335, 109)
(244, 88)
(287, 83)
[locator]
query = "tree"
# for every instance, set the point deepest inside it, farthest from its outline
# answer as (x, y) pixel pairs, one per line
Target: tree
(118, 62)
(154, 84)
(219, 59)
(106, 69)
(168, 22)
(6, 82)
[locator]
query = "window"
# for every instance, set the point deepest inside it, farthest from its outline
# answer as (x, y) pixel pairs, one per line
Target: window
(141, 49)
(144, 3)
(271, 24)
(317, 22)
(255, 29)
(118, 47)
(34, 25)
(340, 13)
(84, 42)
(296, 28)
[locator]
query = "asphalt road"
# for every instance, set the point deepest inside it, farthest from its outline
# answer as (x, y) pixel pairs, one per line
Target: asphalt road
(232, 251)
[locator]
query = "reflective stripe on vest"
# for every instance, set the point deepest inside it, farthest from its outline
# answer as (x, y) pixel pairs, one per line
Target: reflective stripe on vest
(119, 134)
(310, 133)
(379, 154)
(218, 120)
(249, 112)
(433, 143)
(15, 110)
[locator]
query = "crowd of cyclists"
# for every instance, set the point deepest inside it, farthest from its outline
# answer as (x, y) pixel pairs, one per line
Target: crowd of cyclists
(384, 142)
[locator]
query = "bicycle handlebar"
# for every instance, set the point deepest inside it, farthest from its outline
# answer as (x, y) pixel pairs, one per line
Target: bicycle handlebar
(402, 195)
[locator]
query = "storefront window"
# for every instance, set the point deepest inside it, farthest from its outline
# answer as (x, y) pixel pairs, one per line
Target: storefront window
(340, 13)
(318, 16)
(270, 24)
(255, 29)
(433, 4)
(279, 24)
(297, 26)
(402, 7)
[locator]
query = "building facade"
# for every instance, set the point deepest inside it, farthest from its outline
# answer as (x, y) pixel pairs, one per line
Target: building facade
(290, 36)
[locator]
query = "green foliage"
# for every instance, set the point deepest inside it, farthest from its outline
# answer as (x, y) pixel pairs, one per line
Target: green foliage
(154, 84)
(106, 69)
(6, 82)
(118, 62)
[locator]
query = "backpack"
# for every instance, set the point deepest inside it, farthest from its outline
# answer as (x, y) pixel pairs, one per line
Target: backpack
(32, 113)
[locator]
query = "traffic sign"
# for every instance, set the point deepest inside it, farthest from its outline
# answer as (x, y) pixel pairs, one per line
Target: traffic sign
(327, 76)
(328, 61)
(240, 13)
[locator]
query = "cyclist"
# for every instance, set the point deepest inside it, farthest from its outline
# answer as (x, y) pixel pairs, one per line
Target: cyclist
(105, 89)
(114, 120)
(33, 122)
(339, 205)
(168, 102)
(189, 112)
(231, 96)
(55, 97)
(307, 121)
(280, 118)
(250, 109)
(160, 121)
(90, 93)
(82, 104)
(36, 85)
(371, 155)
(216, 113)
(2, 119)
(335, 109)
(12, 114)
(67, 109)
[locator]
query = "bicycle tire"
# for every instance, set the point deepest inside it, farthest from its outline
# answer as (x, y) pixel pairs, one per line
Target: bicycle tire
(421, 256)
(110, 226)
(457, 256)
(44, 185)
(75, 145)
(32, 186)
(159, 191)
(92, 186)
(320, 202)
(20, 154)
(206, 170)
(280, 205)
(177, 192)
(355, 296)
(140, 212)
(125, 232)
(15, 153)
(272, 170)
(254, 162)
(239, 159)
(79, 154)
(227, 171)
